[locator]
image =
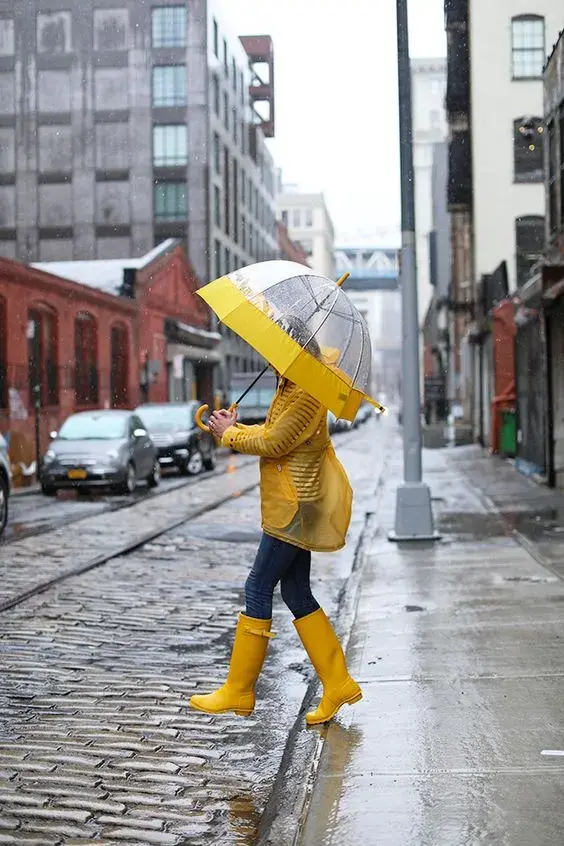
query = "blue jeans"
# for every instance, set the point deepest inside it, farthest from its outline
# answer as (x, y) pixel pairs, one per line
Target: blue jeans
(278, 561)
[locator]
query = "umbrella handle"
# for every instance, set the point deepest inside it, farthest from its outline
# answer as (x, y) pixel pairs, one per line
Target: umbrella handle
(202, 410)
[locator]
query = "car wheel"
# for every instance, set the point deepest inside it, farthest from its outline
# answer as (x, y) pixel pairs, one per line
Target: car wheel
(48, 490)
(3, 504)
(154, 476)
(195, 463)
(130, 482)
(211, 459)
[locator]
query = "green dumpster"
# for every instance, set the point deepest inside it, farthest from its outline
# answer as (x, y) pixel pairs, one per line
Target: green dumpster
(508, 433)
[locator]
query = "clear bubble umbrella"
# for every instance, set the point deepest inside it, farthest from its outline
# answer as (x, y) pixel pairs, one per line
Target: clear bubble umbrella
(304, 325)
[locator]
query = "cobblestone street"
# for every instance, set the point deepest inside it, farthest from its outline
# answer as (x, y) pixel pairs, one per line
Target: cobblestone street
(96, 742)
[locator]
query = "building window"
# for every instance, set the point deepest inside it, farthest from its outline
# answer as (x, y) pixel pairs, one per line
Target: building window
(215, 94)
(169, 85)
(235, 125)
(86, 358)
(119, 359)
(217, 258)
(225, 58)
(284, 217)
(234, 75)
(527, 149)
(243, 136)
(169, 26)
(296, 218)
(553, 177)
(226, 110)
(309, 217)
(170, 145)
(226, 190)
(528, 52)
(529, 238)
(215, 39)
(42, 355)
(171, 201)
(307, 246)
(216, 153)
(242, 87)
(227, 261)
(217, 205)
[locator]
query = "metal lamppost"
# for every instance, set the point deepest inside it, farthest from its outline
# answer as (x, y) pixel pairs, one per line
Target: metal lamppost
(414, 515)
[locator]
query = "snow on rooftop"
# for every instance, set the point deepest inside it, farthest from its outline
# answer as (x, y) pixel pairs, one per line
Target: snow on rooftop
(103, 274)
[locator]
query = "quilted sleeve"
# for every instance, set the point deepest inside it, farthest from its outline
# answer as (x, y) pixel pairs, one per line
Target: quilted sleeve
(294, 425)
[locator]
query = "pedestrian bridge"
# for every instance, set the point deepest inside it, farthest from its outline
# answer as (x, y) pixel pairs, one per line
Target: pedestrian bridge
(370, 268)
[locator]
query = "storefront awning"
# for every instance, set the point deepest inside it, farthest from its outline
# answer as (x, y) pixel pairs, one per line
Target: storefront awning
(192, 336)
(196, 354)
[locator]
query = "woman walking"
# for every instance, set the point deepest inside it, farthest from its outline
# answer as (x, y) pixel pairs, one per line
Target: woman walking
(305, 506)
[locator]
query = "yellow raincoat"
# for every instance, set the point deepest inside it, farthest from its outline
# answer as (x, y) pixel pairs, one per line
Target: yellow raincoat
(306, 497)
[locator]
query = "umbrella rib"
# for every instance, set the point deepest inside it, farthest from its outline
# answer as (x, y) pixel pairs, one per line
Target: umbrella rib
(361, 351)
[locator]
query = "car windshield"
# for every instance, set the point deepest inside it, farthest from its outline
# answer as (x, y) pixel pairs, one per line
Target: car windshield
(166, 418)
(257, 397)
(106, 426)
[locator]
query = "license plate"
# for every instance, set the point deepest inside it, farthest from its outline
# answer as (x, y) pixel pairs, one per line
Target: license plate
(77, 474)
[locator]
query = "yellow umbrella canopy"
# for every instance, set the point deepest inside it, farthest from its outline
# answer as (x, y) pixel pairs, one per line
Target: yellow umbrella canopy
(304, 325)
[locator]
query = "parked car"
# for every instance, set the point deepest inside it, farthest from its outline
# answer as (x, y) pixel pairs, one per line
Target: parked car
(100, 449)
(179, 441)
(5, 484)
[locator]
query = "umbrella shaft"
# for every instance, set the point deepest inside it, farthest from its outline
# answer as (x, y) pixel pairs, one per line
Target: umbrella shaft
(253, 383)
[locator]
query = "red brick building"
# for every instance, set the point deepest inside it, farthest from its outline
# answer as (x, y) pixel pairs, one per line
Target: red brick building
(98, 334)
(290, 250)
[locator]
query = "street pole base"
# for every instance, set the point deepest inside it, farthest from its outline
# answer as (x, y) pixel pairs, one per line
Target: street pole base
(414, 514)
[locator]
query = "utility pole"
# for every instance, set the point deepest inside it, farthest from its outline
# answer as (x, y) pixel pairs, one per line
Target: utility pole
(414, 515)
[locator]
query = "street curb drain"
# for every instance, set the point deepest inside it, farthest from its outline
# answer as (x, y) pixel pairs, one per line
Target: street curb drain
(124, 549)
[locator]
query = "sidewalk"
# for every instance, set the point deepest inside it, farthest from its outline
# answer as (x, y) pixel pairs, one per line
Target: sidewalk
(458, 648)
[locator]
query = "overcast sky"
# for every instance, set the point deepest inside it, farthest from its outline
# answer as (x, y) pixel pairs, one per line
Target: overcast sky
(336, 100)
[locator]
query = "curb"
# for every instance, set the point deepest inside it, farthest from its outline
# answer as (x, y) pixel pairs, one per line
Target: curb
(286, 810)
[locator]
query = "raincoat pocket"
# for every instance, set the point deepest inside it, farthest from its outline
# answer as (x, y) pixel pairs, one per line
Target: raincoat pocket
(279, 499)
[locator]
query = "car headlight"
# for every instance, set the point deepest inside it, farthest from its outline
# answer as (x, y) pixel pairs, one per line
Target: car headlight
(49, 456)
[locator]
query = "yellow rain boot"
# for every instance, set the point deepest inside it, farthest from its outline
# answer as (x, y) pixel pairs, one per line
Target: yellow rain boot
(247, 658)
(325, 653)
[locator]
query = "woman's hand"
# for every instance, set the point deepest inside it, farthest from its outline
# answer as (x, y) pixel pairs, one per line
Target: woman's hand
(220, 421)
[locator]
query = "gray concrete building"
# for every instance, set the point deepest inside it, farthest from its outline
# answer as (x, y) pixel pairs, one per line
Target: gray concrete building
(124, 123)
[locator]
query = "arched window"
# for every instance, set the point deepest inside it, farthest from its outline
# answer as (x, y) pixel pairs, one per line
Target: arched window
(527, 46)
(528, 133)
(42, 355)
(3, 361)
(119, 366)
(86, 357)
(530, 240)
